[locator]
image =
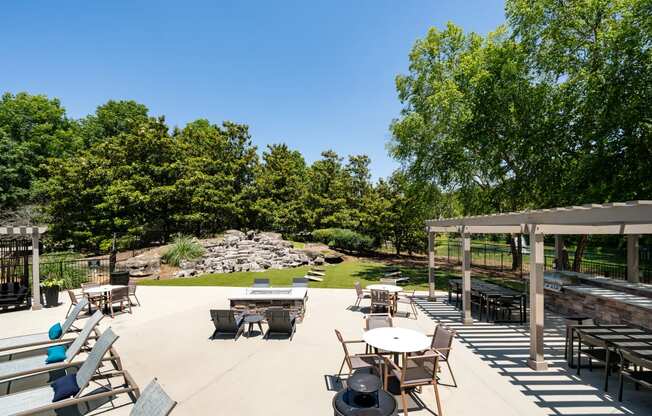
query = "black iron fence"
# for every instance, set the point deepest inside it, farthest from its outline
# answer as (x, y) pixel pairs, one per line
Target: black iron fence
(74, 272)
(498, 257)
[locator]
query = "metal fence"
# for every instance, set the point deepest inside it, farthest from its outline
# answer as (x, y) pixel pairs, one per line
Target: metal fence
(498, 257)
(76, 271)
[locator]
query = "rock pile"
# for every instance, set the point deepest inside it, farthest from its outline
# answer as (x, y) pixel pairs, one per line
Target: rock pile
(240, 252)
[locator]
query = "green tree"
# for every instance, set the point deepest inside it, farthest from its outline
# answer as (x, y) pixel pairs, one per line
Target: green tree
(279, 191)
(33, 128)
(113, 118)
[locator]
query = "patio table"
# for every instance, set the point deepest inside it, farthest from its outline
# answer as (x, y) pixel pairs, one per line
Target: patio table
(102, 290)
(487, 291)
(396, 340)
(390, 288)
(614, 337)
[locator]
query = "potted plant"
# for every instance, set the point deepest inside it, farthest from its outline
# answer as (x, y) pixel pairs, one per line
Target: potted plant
(51, 287)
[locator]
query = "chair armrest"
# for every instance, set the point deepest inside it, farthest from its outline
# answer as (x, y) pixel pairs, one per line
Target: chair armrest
(354, 341)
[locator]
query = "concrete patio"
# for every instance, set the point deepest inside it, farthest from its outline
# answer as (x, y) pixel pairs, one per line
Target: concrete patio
(168, 337)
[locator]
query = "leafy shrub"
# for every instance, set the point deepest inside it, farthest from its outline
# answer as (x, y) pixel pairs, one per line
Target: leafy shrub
(183, 247)
(342, 238)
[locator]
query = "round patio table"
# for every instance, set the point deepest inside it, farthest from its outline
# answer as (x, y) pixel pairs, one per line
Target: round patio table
(389, 288)
(101, 291)
(396, 340)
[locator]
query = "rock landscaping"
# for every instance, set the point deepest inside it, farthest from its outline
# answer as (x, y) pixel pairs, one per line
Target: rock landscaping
(243, 252)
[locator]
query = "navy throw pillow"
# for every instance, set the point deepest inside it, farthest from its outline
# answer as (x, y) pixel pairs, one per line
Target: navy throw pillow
(65, 387)
(56, 354)
(55, 331)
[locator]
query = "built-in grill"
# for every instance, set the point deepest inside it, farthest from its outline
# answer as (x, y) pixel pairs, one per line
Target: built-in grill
(555, 281)
(364, 397)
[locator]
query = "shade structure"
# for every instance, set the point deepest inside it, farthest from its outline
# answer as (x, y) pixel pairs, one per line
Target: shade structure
(35, 234)
(631, 218)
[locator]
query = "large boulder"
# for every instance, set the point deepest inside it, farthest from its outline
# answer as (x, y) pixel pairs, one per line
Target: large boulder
(146, 264)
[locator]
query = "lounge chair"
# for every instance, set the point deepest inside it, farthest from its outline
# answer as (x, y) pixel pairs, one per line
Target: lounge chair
(29, 402)
(35, 363)
(74, 299)
(261, 283)
(300, 282)
(226, 321)
(280, 321)
(42, 338)
(153, 401)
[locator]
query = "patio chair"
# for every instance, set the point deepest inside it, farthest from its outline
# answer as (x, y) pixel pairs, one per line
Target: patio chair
(36, 363)
(442, 341)
(227, 322)
(377, 320)
(417, 371)
(280, 321)
(357, 361)
(119, 295)
(95, 300)
(299, 282)
(74, 299)
(407, 299)
(381, 301)
(361, 294)
(153, 401)
(261, 283)
(40, 400)
(42, 338)
(132, 292)
(640, 374)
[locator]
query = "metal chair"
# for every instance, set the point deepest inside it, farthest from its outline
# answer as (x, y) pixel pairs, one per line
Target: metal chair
(408, 299)
(357, 361)
(417, 371)
(119, 295)
(442, 341)
(153, 401)
(74, 300)
(360, 293)
(380, 300)
(132, 291)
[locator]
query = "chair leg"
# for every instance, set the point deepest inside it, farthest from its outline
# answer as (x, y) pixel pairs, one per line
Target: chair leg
(404, 400)
(439, 412)
(451, 371)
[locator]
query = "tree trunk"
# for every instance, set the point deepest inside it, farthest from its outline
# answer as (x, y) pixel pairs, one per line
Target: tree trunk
(579, 252)
(514, 252)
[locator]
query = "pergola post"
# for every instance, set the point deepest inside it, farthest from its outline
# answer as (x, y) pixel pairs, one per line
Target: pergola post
(431, 265)
(633, 274)
(537, 361)
(36, 271)
(467, 319)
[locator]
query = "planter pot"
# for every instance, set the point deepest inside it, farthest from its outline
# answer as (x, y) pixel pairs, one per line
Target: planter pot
(51, 296)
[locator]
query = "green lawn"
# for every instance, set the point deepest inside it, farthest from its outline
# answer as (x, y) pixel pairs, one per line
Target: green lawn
(342, 275)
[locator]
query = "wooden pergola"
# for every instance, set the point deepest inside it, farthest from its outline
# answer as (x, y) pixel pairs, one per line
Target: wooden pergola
(624, 218)
(35, 234)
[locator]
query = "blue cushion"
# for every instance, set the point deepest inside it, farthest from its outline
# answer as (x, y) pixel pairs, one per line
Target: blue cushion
(56, 354)
(65, 387)
(55, 331)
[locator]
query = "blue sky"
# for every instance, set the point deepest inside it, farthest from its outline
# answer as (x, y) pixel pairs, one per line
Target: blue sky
(312, 74)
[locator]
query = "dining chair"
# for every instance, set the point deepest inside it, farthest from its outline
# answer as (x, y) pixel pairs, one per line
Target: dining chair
(132, 291)
(442, 342)
(96, 300)
(360, 293)
(74, 300)
(417, 371)
(377, 320)
(357, 361)
(380, 300)
(407, 298)
(119, 295)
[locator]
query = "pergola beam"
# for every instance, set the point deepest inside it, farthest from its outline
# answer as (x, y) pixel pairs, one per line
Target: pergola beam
(611, 229)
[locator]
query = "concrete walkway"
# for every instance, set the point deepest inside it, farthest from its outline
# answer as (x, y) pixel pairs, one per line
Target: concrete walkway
(168, 337)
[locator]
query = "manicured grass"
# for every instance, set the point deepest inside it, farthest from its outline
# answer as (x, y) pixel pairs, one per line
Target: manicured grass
(342, 275)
